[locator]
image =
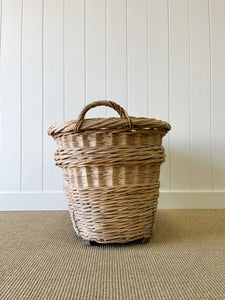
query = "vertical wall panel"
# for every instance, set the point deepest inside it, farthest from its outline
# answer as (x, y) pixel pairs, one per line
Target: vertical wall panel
(95, 55)
(116, 53)
(158, 72)
(74, 58)
(218, 91)
(53, 105)
(137, 57)
(200, 95)
(32, 96)
(10, 95)
(0, 27)
(179, 94)
(1, 100)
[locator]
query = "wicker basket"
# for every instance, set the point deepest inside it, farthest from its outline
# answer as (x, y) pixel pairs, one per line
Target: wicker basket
(111, 173)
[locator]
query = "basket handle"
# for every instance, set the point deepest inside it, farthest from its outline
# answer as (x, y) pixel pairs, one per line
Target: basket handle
(121, 111)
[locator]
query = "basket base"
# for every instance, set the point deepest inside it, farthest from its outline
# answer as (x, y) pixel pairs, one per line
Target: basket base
(144, 240)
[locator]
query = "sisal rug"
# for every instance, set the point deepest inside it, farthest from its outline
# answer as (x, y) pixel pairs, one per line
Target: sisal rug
(41, 258)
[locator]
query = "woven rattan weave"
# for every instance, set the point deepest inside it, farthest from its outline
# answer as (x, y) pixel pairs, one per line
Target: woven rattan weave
(111, 172)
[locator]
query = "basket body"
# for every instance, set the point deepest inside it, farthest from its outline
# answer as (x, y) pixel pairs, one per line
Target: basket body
(111, 172)
(111, 180)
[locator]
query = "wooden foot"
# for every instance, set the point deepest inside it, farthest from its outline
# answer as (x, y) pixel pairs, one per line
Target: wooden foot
(86, 242)
(145, 240)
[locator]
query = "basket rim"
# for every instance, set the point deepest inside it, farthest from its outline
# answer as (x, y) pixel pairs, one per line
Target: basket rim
(111, 123)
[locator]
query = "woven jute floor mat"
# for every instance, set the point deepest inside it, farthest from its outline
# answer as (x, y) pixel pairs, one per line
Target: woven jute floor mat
(42, 258)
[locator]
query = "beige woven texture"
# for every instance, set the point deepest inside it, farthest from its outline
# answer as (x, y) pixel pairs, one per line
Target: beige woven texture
(42, 258)
(111, 173)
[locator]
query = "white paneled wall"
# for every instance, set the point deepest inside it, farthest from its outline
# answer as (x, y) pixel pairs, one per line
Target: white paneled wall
(157, 58)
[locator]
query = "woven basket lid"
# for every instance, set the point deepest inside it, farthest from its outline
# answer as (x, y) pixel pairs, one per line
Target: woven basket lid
(82, 125)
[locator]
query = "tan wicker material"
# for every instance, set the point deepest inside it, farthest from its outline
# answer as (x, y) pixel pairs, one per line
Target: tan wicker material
(111, 173)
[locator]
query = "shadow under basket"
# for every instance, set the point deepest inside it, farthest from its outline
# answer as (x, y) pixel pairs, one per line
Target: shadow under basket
(111, 170)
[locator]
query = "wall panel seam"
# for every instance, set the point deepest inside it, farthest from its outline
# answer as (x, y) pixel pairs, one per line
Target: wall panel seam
(210, 95)
(190, 89)
(169, 141)
(127, 94)
(21, 95)
(106, 54)
(85, 52)
(42, 107)
(147, 32)
(63, 58)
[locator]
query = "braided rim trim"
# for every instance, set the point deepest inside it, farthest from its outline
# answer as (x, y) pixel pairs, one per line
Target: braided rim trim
(108, 123)
(97, 156)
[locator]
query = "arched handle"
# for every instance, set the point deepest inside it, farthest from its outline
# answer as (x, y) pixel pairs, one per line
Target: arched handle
(121, 111)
